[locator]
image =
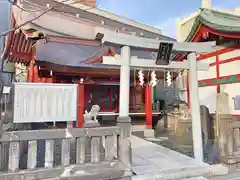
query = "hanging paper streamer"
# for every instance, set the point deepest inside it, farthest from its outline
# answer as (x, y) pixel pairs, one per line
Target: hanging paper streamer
(153, 81)
(141, 77)
(169, 78)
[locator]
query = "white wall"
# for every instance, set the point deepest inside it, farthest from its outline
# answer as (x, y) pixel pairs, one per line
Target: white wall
(207, 97)
(231, 67)
(211, 73)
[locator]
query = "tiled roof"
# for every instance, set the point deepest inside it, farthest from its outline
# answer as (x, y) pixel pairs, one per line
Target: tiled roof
(216, 20)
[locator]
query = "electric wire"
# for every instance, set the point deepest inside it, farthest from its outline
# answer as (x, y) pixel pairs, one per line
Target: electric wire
(35, 18)
(29, 10)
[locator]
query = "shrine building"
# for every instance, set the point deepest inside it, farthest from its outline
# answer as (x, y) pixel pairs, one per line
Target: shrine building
(222, 26)
(64, 45)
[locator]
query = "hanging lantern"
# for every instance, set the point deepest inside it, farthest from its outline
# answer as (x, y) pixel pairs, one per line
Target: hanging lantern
(153, 81)
(141, 77)
(169, 79)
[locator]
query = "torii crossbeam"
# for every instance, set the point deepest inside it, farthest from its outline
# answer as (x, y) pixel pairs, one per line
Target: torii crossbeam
(125, 61)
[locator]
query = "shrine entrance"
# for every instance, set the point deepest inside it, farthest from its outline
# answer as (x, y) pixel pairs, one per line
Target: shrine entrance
(185, 50)
(107, 97)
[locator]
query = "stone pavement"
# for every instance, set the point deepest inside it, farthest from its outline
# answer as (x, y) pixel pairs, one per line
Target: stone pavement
(154, 162)
(230, 176)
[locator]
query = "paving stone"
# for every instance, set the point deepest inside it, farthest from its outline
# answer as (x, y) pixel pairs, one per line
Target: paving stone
(152, 161)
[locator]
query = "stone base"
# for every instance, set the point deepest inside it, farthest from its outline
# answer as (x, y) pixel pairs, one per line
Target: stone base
(91, 124)
(138, 128)
(232, 167)
(218, 170)
(149, 133)
(123, 119)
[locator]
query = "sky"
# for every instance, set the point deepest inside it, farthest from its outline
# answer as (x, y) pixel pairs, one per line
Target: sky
(160, 13)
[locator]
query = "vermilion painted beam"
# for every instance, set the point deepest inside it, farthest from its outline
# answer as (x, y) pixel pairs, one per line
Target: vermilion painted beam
(229, 35)
(218, 52)
(225, 61)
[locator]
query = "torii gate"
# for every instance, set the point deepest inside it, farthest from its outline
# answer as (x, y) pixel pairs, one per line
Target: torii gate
(125, 61)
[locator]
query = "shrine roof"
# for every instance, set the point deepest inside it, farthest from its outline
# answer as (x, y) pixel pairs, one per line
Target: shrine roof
(81, 55)
(18, 47)
(218, 21)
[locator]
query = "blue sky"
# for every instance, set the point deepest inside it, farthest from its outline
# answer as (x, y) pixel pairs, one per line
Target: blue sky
(160, 13)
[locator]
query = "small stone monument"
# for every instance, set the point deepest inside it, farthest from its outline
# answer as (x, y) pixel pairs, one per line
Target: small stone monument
(206, 122)
(222, 106)
(184, 127)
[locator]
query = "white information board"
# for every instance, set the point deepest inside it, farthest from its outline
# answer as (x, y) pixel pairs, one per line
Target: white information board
(44, 102)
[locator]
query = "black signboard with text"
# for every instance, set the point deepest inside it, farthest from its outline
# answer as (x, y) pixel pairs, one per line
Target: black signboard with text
(164, 53)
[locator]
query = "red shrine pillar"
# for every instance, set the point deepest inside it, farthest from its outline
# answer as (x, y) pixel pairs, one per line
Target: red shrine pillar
(148, 105)
(80, 105)
(30, 72)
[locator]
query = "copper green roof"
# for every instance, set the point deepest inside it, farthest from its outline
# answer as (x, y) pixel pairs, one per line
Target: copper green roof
(219, 21)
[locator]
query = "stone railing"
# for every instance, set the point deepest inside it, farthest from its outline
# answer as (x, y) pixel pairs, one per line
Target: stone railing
(228, 138)
(90, 153)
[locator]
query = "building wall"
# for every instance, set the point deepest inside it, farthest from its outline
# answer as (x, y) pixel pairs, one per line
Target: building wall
(91, 3)
(211, 72)
(4, 19)
(5, 78)
(223, 66)
(108, 22)
(223, 74)
(184, 26)
(229, 68)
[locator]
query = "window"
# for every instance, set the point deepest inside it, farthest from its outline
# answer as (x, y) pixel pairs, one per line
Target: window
(237, 102)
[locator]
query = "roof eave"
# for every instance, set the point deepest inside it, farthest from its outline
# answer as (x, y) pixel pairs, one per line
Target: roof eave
(202, 23)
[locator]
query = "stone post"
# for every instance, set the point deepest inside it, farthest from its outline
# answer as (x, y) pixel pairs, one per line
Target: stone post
(124, 121)
(195, 108)
(124, 82)
(125, 151)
